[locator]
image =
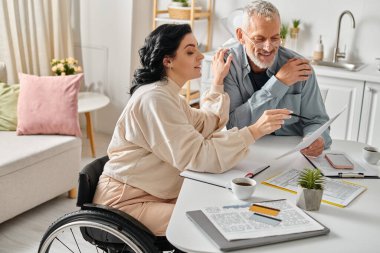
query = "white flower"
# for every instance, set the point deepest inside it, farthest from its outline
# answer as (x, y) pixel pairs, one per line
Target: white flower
(70, 60)
(67, 66)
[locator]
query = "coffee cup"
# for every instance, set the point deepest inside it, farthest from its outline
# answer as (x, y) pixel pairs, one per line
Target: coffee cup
(371, 155)
(243, 187)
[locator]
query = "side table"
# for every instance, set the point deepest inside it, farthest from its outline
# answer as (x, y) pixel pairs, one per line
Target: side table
(88, 102)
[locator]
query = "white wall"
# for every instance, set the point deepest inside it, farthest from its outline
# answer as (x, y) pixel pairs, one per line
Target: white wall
(320, 17)
(107, 38)
(109, 34)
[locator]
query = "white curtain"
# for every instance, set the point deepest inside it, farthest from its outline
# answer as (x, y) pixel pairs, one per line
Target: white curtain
(32, 32)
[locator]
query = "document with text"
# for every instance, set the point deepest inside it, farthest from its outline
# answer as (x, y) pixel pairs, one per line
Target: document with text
(336, 192)
(238, 223)
(311, 138)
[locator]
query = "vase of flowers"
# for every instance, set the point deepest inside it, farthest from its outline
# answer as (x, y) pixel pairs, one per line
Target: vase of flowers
(310, 189)
(63, 67)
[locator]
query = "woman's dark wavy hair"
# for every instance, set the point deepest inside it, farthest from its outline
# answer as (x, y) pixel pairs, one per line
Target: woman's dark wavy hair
(160, 43)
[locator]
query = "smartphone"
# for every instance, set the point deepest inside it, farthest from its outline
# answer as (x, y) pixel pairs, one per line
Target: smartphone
(339, 161)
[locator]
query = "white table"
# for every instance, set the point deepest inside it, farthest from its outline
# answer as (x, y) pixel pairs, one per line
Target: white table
(88, 102)
(355, 228)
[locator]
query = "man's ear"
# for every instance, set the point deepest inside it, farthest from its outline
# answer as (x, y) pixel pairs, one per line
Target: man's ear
(239, 35)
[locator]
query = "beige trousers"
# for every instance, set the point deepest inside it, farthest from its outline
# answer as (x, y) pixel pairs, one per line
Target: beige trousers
(153, 212)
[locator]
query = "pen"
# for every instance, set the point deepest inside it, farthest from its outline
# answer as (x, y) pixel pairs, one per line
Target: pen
(351, 174)
(299, 116)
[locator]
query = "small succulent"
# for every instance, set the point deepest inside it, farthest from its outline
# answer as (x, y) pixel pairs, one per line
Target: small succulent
(296, 23)
(311, 179)
(283, 31)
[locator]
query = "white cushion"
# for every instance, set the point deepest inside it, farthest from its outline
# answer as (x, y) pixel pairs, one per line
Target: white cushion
(17, 152)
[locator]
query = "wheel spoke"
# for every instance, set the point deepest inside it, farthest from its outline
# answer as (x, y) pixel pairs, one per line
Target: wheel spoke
(63, 244)
(75, 240)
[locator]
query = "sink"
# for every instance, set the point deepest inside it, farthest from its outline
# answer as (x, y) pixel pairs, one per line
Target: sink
(342, 65)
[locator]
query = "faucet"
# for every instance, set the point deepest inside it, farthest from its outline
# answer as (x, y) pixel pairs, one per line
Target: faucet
(338, 54)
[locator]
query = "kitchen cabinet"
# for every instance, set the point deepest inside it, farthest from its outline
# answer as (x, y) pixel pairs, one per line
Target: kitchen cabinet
(342, 92)
(370, 118)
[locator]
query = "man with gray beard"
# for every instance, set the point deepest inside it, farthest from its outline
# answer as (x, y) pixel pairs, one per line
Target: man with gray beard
(264, 75)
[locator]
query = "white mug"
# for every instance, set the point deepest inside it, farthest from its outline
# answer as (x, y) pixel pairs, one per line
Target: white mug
(371, 155)
(243, 187)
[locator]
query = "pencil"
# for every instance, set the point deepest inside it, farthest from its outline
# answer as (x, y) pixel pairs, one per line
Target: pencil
(299, 116)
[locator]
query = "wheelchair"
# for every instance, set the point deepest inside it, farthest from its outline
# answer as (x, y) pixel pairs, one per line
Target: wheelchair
(98, 228)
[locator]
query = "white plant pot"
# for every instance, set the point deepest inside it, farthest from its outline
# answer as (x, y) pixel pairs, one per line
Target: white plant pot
(309, 199)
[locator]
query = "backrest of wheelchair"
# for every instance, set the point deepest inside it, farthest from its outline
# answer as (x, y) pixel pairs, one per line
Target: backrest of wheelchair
(88, 180)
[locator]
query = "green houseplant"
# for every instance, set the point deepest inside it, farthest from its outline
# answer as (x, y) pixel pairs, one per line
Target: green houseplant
(180, 3)
(283, 33)
(310, 189)
(295, 29)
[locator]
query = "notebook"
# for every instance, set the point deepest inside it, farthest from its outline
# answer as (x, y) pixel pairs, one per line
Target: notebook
(242, 169)
(199, 218)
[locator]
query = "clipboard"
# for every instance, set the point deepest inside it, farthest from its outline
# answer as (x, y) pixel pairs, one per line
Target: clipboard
(205, 225)
(359, 170)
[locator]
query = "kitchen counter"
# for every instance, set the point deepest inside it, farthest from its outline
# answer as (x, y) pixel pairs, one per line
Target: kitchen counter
(368, 73)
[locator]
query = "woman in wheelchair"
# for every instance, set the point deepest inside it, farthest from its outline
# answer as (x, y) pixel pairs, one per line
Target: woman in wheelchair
(158, 134)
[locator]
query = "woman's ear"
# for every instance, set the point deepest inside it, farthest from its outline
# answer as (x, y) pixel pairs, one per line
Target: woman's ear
(167, 62)
(239, 35)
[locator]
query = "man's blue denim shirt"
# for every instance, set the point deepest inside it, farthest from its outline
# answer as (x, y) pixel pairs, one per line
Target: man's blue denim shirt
(303, 98)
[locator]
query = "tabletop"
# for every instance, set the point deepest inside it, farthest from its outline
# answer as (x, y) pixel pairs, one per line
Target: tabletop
(355, 228)
(91, 101)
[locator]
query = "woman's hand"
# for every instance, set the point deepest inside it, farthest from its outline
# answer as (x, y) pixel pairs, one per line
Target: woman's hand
(270, 121)
(219, 67)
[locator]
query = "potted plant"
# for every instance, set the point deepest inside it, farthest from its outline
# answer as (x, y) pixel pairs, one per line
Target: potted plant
(181, 9)
(295, 29)
(179, 3)
(310, 189)
(283, 33)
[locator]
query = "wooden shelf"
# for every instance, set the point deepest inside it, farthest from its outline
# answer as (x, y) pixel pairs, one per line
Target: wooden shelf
(166, 19)
(195, 16)
(194, 94)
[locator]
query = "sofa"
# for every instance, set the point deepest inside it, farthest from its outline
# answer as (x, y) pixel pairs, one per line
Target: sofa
(35, 168)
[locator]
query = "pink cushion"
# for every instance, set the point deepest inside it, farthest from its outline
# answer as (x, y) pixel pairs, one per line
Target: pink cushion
(48, 105)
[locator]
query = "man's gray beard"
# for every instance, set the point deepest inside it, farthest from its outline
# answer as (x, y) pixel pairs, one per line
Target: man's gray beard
(258, 63)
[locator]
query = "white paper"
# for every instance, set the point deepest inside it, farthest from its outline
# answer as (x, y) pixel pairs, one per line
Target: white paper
(311, 138)
(235, 223)
(336, 192)
(224, 179)
(321, 163)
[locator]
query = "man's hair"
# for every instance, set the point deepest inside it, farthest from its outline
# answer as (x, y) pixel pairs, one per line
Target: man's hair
(259, 8)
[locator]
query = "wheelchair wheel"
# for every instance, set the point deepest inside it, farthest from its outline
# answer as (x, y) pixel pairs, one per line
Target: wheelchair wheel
(95, 231)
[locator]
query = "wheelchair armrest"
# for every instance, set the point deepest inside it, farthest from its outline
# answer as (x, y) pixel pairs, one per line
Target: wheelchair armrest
(128, 218)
